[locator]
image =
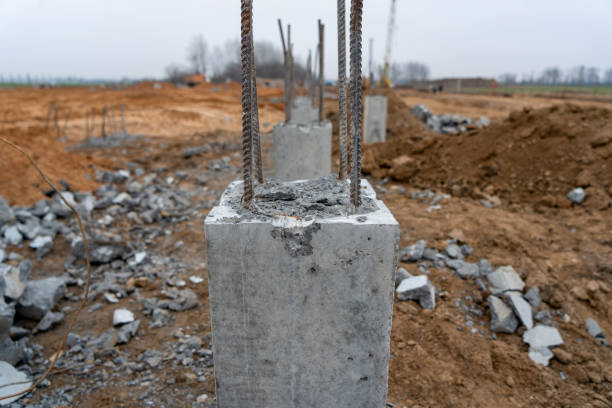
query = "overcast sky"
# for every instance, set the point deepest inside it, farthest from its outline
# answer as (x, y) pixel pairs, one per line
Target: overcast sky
(136, 38)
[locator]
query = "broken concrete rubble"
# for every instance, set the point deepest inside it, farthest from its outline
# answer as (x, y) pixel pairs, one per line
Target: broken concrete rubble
(521, 308)
(18, 379)
(505, 278)
(503, 319)
(418, 288)
(39, 297)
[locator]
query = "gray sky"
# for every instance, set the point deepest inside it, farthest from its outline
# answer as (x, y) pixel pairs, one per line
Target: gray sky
(116, 38)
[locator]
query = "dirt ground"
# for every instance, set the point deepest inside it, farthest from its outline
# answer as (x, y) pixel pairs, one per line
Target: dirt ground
(535, 151)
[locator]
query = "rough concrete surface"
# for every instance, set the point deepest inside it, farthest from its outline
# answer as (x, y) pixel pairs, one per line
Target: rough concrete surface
(375, 119)
(302, 152)
(301, 310)
(303, 111)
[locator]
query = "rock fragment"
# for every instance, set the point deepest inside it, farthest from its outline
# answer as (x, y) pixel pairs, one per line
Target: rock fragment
(7, 313)
(505, 278)
(127, 331)
(484, 267)
(540, 356)
(418, 288)
(12, 236)
(577, 195)
(533, 297)
(39, 297)
(400, 275)
(50, 320)
(503, 319)
(594, 330)
(542, 336)
(413, 253)
(122, 316)
(10, 375)
(521, 308)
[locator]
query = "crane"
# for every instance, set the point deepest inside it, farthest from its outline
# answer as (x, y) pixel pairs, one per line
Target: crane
(385, 78)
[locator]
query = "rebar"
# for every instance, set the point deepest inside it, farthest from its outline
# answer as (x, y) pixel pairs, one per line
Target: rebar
(103, 129)
(356, 44)
(49, 110)
(55, 120)
(321, 75)
(257, 162)
(308, 73)
(286, 66)
(122, 109)
(113, 122)
(313, 92)
(342, 121)
(64, 131)
(246, 19)
(291, 70)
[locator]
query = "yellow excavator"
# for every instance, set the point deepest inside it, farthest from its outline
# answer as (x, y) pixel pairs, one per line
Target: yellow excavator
(385, 77)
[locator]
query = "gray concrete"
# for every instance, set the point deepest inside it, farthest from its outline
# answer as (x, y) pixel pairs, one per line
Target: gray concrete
(505, 278)
(303, 111)
(502, 317)
(9, 375)
(521, 308)
(302, 152)
(418, 288)
(301, 307)
(375, 119)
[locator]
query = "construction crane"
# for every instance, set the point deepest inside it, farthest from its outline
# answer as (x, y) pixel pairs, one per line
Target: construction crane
(385, 77)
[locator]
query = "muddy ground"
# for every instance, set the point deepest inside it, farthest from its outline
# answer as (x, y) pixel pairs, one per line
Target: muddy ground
(437, 360)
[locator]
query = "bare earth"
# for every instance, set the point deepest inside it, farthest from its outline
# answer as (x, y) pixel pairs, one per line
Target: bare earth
(437, 361)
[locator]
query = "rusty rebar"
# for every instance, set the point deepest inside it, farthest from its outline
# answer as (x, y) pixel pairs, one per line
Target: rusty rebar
(65, 129)
(246, 20)
(290, 68)
(321, 67)
(49, 110)
(122, 109)
(308, 73)
(313, 85)
(286, 66)
(356, 45)
(342, 121)
(103, 128)
(257, 162)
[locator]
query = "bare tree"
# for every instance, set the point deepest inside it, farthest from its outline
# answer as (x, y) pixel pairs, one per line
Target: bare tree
(405, 73)
(551, 76)
(592, 76)
(176, 74)
(507, 79)
(607, 77)
(198, 54)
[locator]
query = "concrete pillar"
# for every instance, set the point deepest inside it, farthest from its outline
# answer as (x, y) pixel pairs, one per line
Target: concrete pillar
(303, 112)
(375, 119)
(301, 307)
(302, 152)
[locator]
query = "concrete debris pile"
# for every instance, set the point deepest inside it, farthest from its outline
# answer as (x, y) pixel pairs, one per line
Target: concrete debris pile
(119, 270)
(447, 124)
(510, 306)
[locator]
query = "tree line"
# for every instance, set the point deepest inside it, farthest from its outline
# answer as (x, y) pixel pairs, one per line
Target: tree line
(222, 63)
(579, 75)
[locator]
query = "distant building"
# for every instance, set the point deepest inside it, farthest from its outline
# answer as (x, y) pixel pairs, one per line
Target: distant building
(453, 84)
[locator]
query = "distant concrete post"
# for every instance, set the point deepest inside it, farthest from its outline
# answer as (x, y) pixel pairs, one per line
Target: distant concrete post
(302, 152)
(375, 119)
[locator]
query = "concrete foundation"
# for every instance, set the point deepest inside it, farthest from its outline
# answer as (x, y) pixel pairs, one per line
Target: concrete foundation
(303, 112)
(375, 119)
(302, 152)
(301, 306)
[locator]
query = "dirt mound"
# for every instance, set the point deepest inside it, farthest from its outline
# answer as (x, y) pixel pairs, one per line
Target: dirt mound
(533, 156)
(21, 184)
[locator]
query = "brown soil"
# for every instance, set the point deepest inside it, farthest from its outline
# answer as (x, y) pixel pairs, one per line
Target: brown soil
(533, 157)
(436, 360)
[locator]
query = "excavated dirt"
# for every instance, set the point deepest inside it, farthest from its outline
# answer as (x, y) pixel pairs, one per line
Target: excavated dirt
(529, 161)
(533, 157)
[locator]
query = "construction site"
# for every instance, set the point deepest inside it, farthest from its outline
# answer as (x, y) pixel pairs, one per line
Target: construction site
(302, 240)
